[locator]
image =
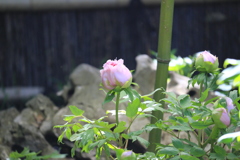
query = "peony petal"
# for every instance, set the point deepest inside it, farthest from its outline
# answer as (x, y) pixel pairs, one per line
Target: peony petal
(225, 118)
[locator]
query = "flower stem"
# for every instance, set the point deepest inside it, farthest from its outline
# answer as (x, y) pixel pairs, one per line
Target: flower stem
(212, 136)
(117, 105)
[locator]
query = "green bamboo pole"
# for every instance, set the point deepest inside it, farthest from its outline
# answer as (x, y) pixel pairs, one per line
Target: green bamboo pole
(163, 57)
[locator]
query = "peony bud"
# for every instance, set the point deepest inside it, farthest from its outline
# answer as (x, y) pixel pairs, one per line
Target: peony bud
(230, 105)
(206, 62)
(221, 118)
(115, 73)
(128, 155)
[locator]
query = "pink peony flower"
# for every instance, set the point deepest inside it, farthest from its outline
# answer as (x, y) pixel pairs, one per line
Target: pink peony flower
(206, 62)
(115, 73)
(221, 117)
(128, 155)
(208, 57)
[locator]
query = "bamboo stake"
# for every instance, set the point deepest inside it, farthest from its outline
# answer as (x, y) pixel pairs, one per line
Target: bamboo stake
(163, 57)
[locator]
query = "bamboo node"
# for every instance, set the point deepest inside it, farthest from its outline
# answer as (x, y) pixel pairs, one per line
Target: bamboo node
(165, 61)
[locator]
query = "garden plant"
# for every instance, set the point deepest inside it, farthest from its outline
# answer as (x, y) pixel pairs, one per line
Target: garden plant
(203, 119)
(210, 123)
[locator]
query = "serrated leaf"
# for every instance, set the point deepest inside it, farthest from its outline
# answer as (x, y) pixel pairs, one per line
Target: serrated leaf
(120, 127)
(76, 111)
(132, 108)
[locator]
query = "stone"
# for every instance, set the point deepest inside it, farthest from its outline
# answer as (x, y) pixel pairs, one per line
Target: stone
(5, 152)
(29, 132)
(44, 110)
(8, 127)
(145, 74)
(84, 75)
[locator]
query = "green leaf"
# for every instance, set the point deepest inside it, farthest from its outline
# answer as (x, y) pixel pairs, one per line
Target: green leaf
(98, 143)
(69, 118)
(219, 150)
(76, 127)
(230, 61)
(177, 143)
(233, 94)
(200, 78)
(68, 133)
(107, 150)
(53, 156)
(175, 158)
(130, 94)
(185, 101)
(169, 151)
(61, 137)
(232, 156)
(188, 157)
(150, 94)
(76, 111)
(216, 156)
(197, 151)
(199, 125)
(132, 108)
(180, 128)
(210, 100)
(125, 136)
(109, 97)
(204, 95)
(141, 140)
(120, 128)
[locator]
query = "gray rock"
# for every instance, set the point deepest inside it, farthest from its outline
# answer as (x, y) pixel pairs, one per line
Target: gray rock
(29, 134)
(44, 110)
(8, 127)
(5, 152)
(145, 74)
(85, 74)
(82, 75)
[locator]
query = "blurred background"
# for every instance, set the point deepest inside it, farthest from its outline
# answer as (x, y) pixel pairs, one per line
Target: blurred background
(42, 41)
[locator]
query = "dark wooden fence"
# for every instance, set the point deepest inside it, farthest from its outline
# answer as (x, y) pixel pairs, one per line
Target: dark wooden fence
(41, 48)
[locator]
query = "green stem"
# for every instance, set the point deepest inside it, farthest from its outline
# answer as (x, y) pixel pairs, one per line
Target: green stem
(213, 135)
(164, 50)
(117, 105)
